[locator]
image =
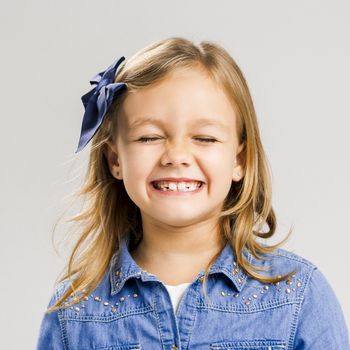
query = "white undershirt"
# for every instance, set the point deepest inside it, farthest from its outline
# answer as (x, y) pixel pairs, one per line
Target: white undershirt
(176, 293)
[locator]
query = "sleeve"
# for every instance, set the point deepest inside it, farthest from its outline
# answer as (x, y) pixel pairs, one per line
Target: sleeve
(50, 335)
(321, 320)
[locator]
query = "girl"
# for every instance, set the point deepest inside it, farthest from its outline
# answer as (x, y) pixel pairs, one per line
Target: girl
(171, 253)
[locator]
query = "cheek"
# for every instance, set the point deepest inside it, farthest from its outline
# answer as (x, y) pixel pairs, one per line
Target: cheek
(137, 167)
(219, 161)
(134, 180)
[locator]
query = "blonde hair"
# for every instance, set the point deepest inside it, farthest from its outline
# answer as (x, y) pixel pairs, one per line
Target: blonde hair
(111, 213)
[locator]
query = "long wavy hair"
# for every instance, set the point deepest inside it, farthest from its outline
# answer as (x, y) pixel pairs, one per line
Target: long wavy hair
(109, 213)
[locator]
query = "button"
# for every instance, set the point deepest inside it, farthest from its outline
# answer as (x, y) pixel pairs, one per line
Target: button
(174, 347)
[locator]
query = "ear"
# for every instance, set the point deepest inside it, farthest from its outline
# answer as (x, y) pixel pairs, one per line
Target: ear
(239, 163)
(111, 155)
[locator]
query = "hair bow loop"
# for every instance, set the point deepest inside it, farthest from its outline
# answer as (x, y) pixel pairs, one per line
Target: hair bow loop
(97, 101)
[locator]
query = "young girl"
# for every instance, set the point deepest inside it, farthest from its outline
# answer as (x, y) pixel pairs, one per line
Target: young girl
(171, 254)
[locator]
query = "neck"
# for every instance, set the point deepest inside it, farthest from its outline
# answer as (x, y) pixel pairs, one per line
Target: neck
(177, 255)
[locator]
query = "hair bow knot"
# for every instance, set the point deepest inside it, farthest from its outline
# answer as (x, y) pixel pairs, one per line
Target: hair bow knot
(97, 101)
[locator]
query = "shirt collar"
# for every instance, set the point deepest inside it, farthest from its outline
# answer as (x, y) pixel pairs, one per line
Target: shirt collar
(124, 267)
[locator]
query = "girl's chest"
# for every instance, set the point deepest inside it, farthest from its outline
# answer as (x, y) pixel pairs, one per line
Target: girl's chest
(260, 317)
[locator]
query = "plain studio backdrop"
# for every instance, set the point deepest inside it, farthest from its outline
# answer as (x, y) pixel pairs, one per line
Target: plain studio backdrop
(295, 57)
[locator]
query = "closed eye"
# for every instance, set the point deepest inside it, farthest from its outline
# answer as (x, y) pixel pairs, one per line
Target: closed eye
(206, 139)
(146, 139)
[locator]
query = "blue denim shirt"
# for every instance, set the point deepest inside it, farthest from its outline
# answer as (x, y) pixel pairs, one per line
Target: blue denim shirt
(131, 310)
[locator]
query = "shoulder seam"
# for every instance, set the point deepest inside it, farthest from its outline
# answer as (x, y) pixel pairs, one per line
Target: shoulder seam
(300, 308)
(61, 287)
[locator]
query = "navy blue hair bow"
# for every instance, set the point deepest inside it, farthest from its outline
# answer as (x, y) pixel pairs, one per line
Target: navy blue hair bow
(97, 101)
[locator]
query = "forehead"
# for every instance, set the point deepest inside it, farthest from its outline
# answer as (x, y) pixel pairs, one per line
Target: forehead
(186, 95)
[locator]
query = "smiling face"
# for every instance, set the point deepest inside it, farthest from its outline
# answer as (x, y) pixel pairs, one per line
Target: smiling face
(164, 130)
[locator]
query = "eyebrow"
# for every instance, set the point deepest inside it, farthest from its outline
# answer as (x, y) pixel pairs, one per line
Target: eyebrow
(159, 122)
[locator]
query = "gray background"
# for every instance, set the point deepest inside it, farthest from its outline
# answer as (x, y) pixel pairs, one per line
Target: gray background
(295, 56)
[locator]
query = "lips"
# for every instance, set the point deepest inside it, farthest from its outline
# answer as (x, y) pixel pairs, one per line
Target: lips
(161, 184)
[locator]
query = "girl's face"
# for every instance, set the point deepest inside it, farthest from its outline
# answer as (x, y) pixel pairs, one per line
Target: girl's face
(182, 127)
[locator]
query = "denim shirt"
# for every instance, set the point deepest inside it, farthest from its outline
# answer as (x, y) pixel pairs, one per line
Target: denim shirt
(131, 310)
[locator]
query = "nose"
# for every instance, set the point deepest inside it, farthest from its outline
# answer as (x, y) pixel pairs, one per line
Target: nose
(176, 154)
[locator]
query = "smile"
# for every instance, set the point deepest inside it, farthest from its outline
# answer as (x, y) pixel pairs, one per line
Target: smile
(177, 188)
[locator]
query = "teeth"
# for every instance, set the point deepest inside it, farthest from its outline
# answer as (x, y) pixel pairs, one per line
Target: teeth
(177, 186)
